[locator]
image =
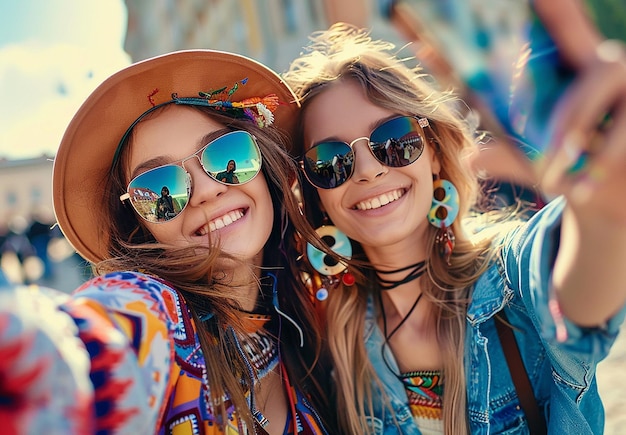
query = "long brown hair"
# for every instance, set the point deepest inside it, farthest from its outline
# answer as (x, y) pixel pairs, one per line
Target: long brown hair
(345, 53)
(132, 247)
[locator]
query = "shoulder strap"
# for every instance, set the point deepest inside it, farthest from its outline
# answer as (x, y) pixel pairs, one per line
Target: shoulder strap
(536, 420)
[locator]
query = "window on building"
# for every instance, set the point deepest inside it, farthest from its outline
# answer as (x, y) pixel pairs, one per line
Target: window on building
(11, 198)
(35, 195)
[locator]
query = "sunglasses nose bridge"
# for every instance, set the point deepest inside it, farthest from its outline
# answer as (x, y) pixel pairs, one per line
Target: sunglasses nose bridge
(189, 181)
(370, 166)
(185, 160)
(351, 144)
(358, 139)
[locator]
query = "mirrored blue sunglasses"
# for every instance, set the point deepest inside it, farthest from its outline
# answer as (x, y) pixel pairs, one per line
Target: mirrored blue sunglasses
(395, 143)
(161, 194)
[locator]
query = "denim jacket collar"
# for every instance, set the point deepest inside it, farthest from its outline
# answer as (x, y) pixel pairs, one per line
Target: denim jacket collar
(489, 296)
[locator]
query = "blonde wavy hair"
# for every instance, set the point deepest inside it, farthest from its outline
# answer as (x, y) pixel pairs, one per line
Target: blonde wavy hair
(345, 53)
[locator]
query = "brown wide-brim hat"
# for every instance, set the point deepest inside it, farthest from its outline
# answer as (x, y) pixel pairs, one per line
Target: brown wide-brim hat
(85, 155)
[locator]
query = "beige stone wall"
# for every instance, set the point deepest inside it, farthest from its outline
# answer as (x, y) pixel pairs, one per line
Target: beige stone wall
(25, 187)
(271, 31)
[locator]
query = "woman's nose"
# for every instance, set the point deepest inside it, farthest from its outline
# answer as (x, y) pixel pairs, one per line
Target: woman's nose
(203, 187)
(366, 167)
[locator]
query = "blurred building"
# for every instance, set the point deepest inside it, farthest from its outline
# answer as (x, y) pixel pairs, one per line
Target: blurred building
(270, 31)
(25, 187)
(261, 29)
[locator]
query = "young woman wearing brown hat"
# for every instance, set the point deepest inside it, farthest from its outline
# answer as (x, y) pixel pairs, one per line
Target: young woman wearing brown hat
(195, 322)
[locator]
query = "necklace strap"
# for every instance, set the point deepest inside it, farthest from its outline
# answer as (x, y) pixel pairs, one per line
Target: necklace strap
(416, 270)
(404, 319)
(402, 269)
(388, 336)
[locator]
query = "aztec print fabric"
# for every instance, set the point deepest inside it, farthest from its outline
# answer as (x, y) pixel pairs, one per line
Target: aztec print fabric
(118, 356)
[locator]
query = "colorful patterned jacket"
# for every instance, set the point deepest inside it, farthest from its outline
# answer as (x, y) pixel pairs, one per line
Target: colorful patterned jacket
(120, 355)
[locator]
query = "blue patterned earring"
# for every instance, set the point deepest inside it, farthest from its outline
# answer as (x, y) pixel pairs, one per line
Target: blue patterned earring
(443, 212)
(325, 264)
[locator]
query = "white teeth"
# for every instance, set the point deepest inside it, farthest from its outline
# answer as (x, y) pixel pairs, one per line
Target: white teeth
(223, 221)
(380, 200)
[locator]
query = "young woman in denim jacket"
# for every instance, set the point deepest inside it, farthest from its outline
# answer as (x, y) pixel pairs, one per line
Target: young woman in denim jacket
(195, 324)
(414, 340)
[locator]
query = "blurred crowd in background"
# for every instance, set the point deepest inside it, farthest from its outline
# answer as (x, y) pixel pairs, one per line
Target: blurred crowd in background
(34, 251)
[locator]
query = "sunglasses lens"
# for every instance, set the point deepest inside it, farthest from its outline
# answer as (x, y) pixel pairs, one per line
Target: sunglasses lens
(398, 142)
(328, 164)
(160, 194)
(233, 158)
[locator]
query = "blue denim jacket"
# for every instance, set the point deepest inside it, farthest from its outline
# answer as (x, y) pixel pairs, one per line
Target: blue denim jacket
(562, 373)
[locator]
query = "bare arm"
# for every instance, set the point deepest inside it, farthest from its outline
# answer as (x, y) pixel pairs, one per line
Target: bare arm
(590, 271)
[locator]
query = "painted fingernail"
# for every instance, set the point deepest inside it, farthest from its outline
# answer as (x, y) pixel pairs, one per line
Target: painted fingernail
(596, 175)
(579, 164)
(610, 50)
(572, 149)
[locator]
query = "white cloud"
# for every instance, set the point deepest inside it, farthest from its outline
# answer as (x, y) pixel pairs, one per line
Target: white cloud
(53, 53)
(42, 86)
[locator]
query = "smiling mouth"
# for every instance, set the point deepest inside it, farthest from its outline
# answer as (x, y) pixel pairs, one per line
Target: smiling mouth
(221, 222)
(380, 200)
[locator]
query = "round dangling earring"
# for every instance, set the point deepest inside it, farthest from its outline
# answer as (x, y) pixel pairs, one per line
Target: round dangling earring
(325, 264)
(443, 212)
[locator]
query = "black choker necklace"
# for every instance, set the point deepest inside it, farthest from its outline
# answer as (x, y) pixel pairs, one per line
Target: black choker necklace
(416, 270)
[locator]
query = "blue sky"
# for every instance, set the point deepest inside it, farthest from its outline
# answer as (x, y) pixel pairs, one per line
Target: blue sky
(53, 53)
